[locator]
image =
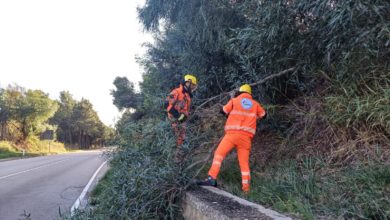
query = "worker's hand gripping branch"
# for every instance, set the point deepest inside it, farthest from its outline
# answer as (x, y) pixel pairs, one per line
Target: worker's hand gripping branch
(182, 118)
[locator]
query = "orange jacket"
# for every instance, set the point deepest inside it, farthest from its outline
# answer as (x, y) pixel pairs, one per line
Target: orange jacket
(179, 102)
(243, 112)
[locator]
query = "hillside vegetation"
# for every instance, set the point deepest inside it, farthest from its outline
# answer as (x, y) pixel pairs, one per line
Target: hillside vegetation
(26, 115)
(324, 149)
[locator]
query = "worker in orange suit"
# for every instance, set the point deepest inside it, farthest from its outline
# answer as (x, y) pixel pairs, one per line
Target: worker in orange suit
(178, 108)
(240, 127)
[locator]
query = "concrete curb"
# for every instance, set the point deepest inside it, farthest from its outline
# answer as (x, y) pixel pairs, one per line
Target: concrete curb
(268, 212)
(210, 203)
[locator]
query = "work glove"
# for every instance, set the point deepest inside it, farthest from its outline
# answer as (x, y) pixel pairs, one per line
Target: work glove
(174, 112)
(182, 117)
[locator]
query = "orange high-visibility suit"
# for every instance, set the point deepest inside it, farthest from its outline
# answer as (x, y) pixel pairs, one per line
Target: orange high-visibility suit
(240, 128)
(179, 102)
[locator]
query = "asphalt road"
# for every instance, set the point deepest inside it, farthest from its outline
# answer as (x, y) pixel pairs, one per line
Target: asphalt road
(40, 188)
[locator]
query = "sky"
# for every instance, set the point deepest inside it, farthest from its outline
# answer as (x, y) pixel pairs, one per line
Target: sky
(75, 45)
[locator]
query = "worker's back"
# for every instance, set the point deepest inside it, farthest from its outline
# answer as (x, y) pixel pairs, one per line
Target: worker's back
(243, 112)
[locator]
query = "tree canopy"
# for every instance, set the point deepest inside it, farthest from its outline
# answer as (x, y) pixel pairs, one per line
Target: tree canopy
(124, 95)
(26, 113)
(27, 110)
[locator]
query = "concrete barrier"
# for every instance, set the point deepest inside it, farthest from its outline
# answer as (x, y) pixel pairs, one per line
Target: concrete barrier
(210, 203)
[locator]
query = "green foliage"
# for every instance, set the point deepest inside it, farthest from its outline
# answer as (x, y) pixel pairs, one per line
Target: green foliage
(362, 104)
(44, 147)
(4, 110)
(62, 117)
(193, 41)
(124, 94)
(36, 148)
(144, 181)
(340, 89)
(33, 110)
(29, 109)
(99, 190)
(311, 190)
(226, 43)
(7, 150)
(25, 114)
(79, 124)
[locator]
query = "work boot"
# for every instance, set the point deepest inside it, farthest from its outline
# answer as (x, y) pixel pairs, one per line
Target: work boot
(246, 189)
(209, 181)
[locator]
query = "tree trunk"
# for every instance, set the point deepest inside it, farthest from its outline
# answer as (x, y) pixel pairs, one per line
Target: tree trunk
(80, 140)
(87, 142)
(70, 137)
(2, 131)
(24, 130)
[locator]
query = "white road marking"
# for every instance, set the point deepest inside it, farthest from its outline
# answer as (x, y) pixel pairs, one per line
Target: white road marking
(35, 168)
(85, 190)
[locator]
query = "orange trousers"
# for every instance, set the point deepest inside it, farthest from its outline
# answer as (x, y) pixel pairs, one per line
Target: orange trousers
(180, 132)
(243, 147)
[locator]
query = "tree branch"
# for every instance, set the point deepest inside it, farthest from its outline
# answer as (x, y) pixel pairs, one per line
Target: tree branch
(252, 84)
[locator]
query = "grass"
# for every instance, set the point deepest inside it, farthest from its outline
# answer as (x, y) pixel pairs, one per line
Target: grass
(34, 145)
(8, 151)
(350, 110)
(50, 147)
(103, 184)
(36, 148)
(312, 189)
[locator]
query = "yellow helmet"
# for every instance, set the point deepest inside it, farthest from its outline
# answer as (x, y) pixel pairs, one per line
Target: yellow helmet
(191, 78)
(246, 88)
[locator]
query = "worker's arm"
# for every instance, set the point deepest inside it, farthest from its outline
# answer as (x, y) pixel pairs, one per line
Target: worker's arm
(172, 98)
(261, 113)
(222, 112)
(226, 109)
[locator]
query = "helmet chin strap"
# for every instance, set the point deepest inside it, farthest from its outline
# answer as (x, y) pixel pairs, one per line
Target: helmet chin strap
(190, 88)
(187, 88)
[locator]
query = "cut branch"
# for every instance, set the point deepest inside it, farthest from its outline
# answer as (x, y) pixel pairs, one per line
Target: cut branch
(252, 84)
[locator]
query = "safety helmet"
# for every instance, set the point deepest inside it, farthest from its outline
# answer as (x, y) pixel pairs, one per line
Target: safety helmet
(246, 88)
(191, 78)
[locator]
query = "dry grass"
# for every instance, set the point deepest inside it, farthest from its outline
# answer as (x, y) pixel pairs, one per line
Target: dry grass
(306, 131)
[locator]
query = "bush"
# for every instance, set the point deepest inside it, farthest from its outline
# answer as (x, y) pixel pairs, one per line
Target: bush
(34, 145)
(8, 150)
(145, 183)
(314, 189)
(320, 128)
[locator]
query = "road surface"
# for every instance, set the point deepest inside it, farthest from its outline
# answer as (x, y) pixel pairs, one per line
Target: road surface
(40, 188)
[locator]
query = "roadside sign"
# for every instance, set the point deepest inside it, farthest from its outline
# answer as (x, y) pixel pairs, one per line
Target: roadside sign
(47, 135)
